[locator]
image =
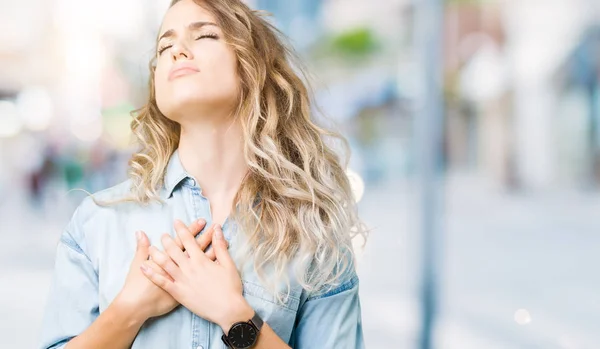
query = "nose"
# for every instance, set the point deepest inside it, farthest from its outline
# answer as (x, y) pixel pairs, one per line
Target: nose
(179, 51)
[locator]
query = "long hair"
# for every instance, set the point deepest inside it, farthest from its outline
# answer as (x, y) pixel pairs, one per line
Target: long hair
(306, 214)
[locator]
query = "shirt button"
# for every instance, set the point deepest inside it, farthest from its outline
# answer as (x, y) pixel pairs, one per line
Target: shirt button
(200, 347)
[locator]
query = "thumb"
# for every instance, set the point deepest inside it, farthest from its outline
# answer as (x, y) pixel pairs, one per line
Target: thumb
(141, 253)
(220, 246)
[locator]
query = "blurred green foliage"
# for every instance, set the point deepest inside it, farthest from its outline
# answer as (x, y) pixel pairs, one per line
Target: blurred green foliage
(357, 43)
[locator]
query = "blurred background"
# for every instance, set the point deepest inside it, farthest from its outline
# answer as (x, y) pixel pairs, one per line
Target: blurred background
(475, 131)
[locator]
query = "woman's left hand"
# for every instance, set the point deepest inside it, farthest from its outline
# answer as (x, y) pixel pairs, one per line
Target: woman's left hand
(211, 290)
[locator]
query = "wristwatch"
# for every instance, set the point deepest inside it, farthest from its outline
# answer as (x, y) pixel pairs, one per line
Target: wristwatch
(244, 334)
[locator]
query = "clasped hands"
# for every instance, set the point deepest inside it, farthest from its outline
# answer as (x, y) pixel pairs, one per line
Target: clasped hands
(205, 282)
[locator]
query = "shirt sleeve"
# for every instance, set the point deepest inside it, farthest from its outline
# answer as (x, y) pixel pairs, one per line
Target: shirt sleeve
(331, 320)
(72, 303)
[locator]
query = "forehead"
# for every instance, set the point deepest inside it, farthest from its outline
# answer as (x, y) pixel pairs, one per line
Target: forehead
(183, 13)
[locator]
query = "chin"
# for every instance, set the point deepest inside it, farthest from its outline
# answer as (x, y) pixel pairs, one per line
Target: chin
(193, 100)
(178, 108)
(175, 109)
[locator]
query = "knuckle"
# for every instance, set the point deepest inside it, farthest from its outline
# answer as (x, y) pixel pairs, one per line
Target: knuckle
(154, 266)
(178, 243)
(170, 268)
(158, 257)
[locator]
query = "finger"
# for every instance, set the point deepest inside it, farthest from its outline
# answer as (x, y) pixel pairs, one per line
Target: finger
(195, 228)
(189, 243)
(141, 253)
(165, 262)
(220, 247)
(174, 252)
(157, 269)
(210, 254)
(206, 239)
(159, 280)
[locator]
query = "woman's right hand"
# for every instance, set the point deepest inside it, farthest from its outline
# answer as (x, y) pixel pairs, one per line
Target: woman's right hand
(140, 296)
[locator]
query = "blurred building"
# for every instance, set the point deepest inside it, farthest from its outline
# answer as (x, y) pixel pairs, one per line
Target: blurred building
(522, 115)
(577, 83)
(504, 118)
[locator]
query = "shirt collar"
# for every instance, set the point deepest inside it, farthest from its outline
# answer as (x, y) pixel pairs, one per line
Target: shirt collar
(175, 174)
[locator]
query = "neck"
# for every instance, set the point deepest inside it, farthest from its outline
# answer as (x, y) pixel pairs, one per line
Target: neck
(211, 150)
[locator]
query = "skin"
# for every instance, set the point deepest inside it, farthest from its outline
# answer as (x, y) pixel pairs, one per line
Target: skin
(201, 99)
(211, 290)
(139, 299)
(202, 102)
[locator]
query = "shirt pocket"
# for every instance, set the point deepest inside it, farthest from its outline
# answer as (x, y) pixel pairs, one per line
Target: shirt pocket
(280, 316)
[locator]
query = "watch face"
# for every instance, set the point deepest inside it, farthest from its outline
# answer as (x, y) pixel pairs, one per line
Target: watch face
(242, 335)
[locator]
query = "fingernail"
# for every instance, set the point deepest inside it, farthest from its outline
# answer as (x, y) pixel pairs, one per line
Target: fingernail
(218, 232)
(138, 234)
(201, 221)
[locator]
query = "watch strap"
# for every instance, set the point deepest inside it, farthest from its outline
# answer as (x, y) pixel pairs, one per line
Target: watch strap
(226, 341)
(257, 321)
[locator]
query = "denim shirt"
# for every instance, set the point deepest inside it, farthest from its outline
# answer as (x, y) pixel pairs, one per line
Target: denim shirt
(95, 252)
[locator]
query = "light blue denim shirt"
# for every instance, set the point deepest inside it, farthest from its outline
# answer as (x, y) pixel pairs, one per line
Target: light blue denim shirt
(95, 252)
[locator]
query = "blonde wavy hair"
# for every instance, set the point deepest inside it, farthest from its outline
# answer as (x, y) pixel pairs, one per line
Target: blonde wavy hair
(306, 214)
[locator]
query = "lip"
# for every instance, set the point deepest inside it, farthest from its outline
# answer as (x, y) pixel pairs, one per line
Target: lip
(182, 70)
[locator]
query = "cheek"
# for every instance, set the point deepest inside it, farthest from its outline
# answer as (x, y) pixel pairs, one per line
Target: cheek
(227, 79)
(224, 74)
(161, 94)
(160, 76)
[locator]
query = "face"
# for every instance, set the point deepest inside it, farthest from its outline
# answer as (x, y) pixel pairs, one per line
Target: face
(196, 69)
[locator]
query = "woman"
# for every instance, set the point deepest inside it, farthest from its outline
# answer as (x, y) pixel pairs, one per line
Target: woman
(227, 120)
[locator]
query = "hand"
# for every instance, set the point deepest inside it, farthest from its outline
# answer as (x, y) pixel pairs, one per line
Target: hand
(143, 297)
(211, 290)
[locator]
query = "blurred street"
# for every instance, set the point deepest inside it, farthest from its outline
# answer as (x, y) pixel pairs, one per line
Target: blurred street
(474, 89)
(555, 286)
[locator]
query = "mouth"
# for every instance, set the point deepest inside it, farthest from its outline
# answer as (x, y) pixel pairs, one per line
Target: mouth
(183, 71)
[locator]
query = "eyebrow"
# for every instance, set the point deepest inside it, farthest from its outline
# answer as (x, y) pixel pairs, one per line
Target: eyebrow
(191, 26)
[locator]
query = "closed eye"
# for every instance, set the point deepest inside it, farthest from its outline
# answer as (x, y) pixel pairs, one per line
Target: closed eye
(162, 49)
(203, 36)
(208, 35)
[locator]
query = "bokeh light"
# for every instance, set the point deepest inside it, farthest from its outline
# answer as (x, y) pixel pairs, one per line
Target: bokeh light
(522, 317)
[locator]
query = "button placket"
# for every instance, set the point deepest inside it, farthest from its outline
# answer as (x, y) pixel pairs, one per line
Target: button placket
(200, 327)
